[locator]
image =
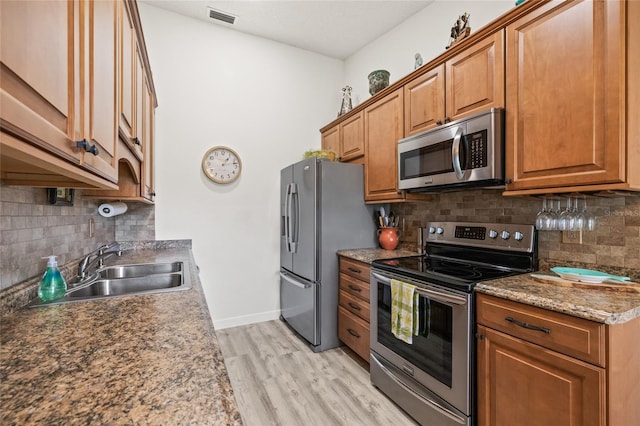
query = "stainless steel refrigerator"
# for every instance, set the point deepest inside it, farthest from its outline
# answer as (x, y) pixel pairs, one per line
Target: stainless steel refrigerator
(322, 210)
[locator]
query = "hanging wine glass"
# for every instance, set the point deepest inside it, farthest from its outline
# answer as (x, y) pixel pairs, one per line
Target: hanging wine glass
(542, 218)
(588, 218)
(567, 219)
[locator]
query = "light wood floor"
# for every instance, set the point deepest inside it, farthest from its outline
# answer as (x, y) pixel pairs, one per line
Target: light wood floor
(277, 380)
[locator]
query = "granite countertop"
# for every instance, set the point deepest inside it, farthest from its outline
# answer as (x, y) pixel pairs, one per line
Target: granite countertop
(368, 255)
(600, 305)
(151, 359)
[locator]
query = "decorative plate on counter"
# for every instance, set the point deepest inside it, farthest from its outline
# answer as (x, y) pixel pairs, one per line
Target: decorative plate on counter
(587, 275)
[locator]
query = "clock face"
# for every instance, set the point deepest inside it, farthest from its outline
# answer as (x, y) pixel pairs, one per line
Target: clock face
(221, 164)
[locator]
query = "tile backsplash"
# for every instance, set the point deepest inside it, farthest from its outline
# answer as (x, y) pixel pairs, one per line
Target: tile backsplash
(31, 228)
(615, 241)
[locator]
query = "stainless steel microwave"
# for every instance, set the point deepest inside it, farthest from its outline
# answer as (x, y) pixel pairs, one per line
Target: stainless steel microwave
(461, 154)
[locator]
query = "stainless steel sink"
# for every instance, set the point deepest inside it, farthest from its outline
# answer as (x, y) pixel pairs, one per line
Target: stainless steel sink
(140, 270)
(122, 286)
(126, 280)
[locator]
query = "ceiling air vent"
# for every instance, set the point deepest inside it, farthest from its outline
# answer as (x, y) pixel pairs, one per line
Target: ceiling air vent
(221, 16)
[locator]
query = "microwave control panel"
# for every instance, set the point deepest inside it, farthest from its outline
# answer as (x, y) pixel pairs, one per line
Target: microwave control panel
(477, 146)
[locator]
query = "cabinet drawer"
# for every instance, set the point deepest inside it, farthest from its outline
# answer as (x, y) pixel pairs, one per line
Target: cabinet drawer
(355, 287)
(354, 268)
(354, 332)
(354, 305)
(576, 337)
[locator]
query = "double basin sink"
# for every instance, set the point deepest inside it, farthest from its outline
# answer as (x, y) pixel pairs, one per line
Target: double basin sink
(126, 280)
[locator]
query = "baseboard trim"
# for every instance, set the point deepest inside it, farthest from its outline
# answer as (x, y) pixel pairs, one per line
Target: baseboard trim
(220, 324)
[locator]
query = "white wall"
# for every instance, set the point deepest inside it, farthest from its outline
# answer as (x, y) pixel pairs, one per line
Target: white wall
(427, 33)
(265, 100)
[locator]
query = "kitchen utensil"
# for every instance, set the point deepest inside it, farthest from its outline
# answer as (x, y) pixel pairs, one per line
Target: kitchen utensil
(587, 275)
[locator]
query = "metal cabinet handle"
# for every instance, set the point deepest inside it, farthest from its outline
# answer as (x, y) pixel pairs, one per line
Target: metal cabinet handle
(439, 122)
(355, 288)
(357, 271)
(355, 307)
(84, 144)
(528, 326)
(137, 141)
(447, 119)
(353, 333)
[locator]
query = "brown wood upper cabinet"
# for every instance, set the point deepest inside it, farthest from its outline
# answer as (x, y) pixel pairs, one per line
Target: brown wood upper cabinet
(347, 138)
(55, 92)
(383, 127)
(467, 83)
(572, 101)
(135, 118)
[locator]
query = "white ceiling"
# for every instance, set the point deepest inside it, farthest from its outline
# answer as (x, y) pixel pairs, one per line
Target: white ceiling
(332, 28)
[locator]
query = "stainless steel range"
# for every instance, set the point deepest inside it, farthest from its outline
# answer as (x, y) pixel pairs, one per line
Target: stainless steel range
(433, 378)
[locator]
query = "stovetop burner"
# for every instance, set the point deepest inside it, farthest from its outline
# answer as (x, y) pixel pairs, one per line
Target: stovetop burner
(459, 255)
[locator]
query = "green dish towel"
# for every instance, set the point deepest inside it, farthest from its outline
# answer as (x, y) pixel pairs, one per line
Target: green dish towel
(404, 311)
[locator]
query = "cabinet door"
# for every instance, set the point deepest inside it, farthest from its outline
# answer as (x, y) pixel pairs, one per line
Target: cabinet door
(352, 137)
(38, 96)
(129, 64)
(424, 102)
(148, 190)
(99, 85)
(524, 384)
(383, 122)
(331, 139)
(565, 95)
(475, 78)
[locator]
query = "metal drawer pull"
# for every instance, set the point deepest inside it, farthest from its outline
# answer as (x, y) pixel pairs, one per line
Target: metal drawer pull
(529, 326)
(354, 288)
(357, 271)
(353, 333)
(356, 307)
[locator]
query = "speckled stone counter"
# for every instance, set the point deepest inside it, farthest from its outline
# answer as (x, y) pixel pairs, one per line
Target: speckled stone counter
(150, 359)
(605, 306)
(368, 255)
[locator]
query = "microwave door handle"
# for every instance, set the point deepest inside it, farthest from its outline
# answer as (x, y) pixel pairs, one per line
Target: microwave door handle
(455, 154)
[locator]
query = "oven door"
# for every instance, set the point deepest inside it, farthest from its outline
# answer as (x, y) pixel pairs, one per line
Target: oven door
(440, 357)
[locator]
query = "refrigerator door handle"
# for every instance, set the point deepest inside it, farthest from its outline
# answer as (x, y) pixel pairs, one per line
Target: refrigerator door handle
(287, 220)
(290, 280)
(294, 223)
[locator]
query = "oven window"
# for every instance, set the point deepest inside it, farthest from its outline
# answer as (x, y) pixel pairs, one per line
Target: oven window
(430, 160)
(431, 348)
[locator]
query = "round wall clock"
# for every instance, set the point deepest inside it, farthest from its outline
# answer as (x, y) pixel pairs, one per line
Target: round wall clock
(221, 164)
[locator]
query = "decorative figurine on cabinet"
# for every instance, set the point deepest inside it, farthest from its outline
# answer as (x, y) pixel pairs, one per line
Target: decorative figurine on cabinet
(460, 30)
(346, 105)
(418, 62)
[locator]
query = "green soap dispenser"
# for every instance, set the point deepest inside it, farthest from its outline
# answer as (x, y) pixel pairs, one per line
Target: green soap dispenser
(53, 285)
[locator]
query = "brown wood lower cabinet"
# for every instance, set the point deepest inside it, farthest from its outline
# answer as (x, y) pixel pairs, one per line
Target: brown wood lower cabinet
(354, 308)
(537, 367)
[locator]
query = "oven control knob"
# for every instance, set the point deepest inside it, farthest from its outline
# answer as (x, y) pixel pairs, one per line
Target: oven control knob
(432, 230)
(518, 236)
(505, 235)
(493, 234)
(440, 231)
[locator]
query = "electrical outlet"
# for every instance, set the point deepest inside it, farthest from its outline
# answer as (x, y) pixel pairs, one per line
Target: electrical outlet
(572, 237)
(92, 227)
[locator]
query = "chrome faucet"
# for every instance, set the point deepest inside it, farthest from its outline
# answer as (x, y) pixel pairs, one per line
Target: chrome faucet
(100, 254)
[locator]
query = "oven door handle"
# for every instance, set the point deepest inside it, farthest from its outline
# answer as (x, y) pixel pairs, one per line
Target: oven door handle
(433, 404)
(430, 294)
